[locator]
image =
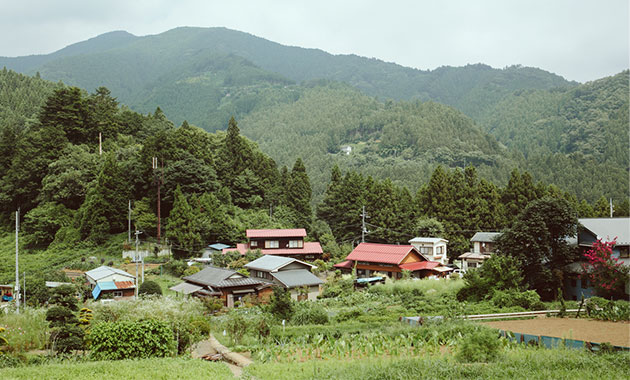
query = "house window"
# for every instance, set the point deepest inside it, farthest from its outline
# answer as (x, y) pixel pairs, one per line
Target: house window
(624, 252)
(426, 250)
(253, 243)
(272, 244)
(118, 293)
(438, 250)
(296, 243)
(260, 274)
(584, 283)
(472, 265)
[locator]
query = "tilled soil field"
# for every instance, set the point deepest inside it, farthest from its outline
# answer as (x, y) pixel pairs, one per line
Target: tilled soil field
(617, 333)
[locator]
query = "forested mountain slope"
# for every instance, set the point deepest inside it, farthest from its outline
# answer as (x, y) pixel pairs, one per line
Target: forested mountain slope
(144, 72)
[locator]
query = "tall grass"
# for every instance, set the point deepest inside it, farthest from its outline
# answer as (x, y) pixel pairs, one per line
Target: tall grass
(428, 287)
(25, 331)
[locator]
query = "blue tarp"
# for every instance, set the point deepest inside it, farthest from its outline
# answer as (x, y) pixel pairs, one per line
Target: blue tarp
(369, 279)
(100, 286)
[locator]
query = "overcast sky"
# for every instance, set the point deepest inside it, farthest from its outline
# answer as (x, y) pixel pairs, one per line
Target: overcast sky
(581, 40)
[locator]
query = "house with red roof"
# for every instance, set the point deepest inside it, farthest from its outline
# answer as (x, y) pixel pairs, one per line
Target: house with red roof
(279, 242)
(370, 258)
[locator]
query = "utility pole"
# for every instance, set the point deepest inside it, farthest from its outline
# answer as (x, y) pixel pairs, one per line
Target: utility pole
(611, 208)
(136, 260)
(129, 223)
(17, 270)
(363, 229)
(100, 144)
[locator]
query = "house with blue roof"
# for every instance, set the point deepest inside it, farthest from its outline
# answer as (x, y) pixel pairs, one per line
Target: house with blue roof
(106, 281)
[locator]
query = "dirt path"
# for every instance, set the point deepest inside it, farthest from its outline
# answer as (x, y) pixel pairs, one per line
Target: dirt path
(617, 333)
(212, 346)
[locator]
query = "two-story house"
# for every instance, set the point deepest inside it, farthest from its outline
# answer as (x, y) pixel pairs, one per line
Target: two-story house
(288, 242)
(434, 249)
(589, 231)
(483, 248)
(290, 273)
(371, 258)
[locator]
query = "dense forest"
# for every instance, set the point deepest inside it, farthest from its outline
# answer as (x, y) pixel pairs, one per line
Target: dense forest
(71, 190)
(306, 103)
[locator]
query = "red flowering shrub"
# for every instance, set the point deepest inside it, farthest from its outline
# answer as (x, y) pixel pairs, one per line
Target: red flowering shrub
(606, 273)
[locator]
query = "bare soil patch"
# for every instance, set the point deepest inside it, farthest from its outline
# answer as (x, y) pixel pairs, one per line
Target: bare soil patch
(617, 333)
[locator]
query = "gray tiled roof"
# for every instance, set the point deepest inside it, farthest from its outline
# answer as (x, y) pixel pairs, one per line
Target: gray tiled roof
(220, 278)
(485, 236)
(609, 228)
(297, 278)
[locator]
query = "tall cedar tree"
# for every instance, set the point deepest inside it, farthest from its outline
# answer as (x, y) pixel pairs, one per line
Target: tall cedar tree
(298, 195)
(181, 229)
(538, 239)
(105, 206)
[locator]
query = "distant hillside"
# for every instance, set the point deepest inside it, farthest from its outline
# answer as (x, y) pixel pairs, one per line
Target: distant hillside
(169, 63)
(402, 141)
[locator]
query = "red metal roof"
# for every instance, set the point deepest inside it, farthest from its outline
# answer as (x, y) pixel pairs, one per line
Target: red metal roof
(344, 264)
(310, 248)
(380, 253)
(296, 232)
(123, 284)
(419, 265)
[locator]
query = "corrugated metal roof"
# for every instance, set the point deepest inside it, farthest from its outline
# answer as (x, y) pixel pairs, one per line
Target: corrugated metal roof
(310, 248)
(420, 265)
(185, 288)
(431, 240)
(485, 236)
(296, 232)
(270, 263)
(380, 253)
(473, 255)
(104, 271)
(218, 246)
(296, 278)
(124, 284)
(609, 228)
(344, 264)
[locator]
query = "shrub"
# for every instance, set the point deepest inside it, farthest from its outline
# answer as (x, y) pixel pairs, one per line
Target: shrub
(348, 315)
(508, 298)
(191, 270)
(149, 287)
(66, 338)
(281, 304)
(606, 310)
(175, 267)
(309, 313)
(480, 346)
(131, 340)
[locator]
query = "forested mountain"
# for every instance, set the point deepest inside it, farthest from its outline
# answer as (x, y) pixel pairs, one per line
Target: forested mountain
(188, 71)
(402, 141)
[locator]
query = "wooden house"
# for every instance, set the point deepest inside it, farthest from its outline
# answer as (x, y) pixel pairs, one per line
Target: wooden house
(483, 248)
(290, 273)
(107, 280)
(371, 258)
(225, 284)
(288, 242)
